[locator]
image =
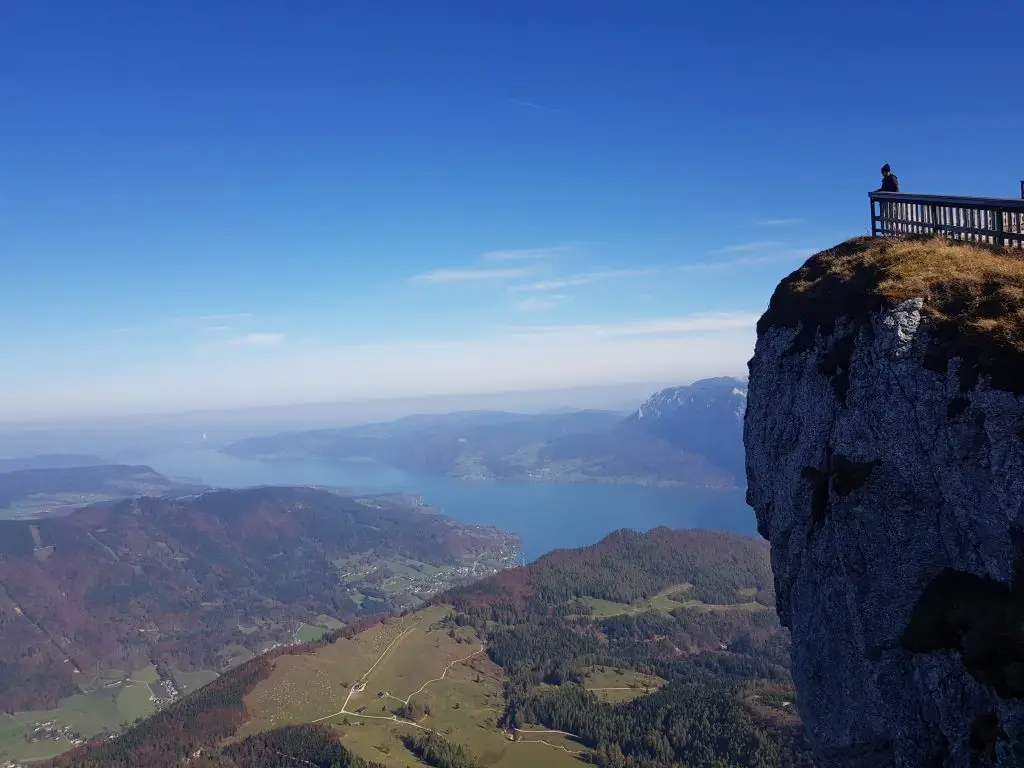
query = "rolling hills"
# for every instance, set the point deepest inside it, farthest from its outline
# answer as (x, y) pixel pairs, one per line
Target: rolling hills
(197, 585)
(50, 461)
(643, 650)
(57, 485)
(689, 436)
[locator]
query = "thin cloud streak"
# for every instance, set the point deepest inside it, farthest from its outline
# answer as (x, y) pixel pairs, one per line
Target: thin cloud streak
(537, 303)
(469, 275)
(748, 261)
(221, 318)
(778, 222)
(525, 254)
(712, 322)
(538, 107)
(256, 340)
(586, 278)
(757, 245)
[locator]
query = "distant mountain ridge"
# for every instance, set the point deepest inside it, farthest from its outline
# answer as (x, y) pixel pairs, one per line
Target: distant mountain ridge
(687, 436)
(705, 418)
(50, 461)
(34, 492)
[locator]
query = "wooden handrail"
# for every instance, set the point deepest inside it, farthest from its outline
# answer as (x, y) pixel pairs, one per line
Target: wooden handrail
(994, 220)
(979, 202)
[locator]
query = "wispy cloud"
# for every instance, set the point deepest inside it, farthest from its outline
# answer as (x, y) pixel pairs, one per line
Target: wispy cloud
(586, 278)
(536, 106)
(538, 303)
(803, 253)
(216, 328)
(777, 222)
(757, 245)
(473, 360)
(525, 254)
(221, 318)
(745, 261)
(256, 340)
(468, 275)
(713, 322)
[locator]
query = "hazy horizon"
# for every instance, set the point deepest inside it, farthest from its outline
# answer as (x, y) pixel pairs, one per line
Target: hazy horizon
(115, 435)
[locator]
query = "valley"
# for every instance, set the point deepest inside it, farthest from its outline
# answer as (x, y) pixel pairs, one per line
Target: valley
(140, 602)
(520, 669)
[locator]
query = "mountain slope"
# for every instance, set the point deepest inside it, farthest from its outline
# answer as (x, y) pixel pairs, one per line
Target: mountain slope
(46, 491)
(688, 436)
(704, 418)
(50, 461)
(643, 650)
(177, 582)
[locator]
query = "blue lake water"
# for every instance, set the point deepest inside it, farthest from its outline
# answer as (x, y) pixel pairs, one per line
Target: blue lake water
(547, 516)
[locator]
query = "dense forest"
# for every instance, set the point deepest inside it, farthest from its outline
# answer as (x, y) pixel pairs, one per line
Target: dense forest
(626, 566)
(173, 581)
(286, 747)
(725, 699)
(711, 713)
(435, 750)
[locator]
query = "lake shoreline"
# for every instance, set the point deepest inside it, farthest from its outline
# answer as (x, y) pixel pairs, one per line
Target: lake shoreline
(546, 515)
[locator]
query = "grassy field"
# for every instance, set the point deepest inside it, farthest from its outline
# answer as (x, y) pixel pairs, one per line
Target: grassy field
(233, 655)
(669, 600)
(403, 661)
(307, 633)
(114, 702)
(614, 686)
(328, 622)
(14, 747)
(40, 503)
(191, 681)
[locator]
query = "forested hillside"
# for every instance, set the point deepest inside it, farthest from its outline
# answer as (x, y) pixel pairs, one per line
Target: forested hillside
(175, 583)
(640, 602)
(645, 650)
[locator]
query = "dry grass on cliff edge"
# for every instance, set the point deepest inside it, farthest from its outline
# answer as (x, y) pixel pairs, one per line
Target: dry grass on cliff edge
(973, 298)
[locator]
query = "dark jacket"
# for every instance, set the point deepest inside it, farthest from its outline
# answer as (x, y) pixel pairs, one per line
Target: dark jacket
(890, 183)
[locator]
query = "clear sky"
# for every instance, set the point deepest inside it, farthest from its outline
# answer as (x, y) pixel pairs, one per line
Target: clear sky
(212, 204)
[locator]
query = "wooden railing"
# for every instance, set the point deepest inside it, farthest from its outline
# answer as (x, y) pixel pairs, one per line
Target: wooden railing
(999, 221)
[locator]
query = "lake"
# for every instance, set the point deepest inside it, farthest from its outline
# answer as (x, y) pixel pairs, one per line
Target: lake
(546, 515)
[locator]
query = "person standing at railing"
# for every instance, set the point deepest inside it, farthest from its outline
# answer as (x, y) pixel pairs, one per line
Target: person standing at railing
(890, 183)
(889, 209)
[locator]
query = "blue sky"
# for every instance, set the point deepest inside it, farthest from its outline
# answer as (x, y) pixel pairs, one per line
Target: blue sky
(220, 204)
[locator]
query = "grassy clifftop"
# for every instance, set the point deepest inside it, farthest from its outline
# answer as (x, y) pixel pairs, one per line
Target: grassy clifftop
(973, 300)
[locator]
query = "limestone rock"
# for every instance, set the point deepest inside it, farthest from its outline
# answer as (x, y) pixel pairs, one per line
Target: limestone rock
(884, 438)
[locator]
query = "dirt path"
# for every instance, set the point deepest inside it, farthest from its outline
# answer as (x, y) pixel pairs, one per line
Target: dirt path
(556, 746)
(542, 730)
(361, 687)
(439, 679)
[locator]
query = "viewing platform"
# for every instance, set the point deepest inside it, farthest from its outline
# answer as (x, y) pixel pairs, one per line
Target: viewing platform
(993, 220)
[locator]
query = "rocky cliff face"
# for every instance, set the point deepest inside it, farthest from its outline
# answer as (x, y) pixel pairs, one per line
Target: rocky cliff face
(884, 439)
